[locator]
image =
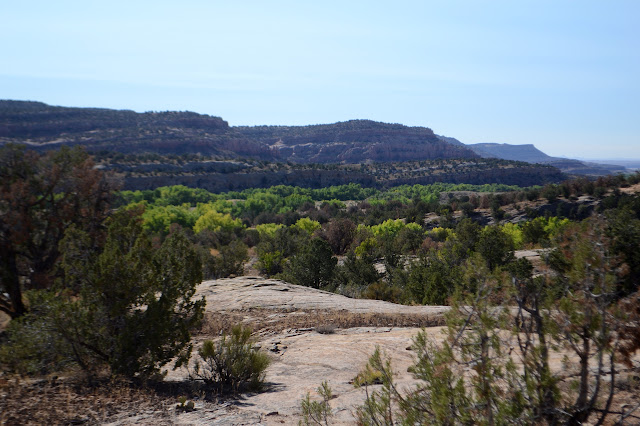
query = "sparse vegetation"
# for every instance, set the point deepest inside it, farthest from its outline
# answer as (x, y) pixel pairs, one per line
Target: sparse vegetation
(232, 362)
(317, 412)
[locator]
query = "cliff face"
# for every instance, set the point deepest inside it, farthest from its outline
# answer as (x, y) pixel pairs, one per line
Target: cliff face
(399, 148)
(222, 182)
(46, 127)
(224, 177)
(39, 122)
(354, 141)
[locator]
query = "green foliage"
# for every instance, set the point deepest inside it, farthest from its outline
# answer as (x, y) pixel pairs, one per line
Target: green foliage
(41, 196)
(515, 233)
(466, 234)
(367, 249)
(410, 238)
(178, 195)
(214, 221)
(555, 226)
(551, 192)
(158, 219)
(229, 261)
(439, 234)
(477, 376)
(432, 279)
(623, 227)
(495, 246)
(260, 204)
(185, 405)
(312, 266)
(268, 230)
(356, 272)
(447, 395)
(377, 408)
(32, 346)
(467, 209)
(127, 306)
(534, 232)
(270, 262)
(388, 229)
(232, 362)
(317, 412)
(307, 225)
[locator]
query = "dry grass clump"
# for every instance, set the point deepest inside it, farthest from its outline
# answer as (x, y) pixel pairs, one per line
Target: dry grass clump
(278, 320)
(74, 402)
(325, 329)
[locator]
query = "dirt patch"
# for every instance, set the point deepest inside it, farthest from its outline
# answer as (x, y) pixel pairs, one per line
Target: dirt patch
(633, 189)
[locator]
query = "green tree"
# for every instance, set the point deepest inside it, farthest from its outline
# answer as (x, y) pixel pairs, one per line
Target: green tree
(214, 221)
(232, 361)
(133, 304)
(533, 232)
(307, 225)
(41, 196)
(623, 227)
(229, 261)
(159, 219)
(495, 246)
(358, 271)
(313, 266)
(433, 279)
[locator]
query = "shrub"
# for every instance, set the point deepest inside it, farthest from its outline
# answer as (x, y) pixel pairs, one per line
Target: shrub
(340, 234)
(476, 377)
(270, 263)
(313, 266)
(128, 307)
(231, 260)
(214, 221)
(317, 412)
(231, 362)
(495, 246)
(307, 225)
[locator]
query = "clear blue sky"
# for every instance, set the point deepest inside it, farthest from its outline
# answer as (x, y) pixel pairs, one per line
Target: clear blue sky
(563, 75)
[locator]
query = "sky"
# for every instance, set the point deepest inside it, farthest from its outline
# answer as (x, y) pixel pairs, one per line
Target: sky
(562, 75)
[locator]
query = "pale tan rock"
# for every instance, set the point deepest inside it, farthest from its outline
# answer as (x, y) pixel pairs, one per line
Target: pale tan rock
(302, 358)
(243, 293)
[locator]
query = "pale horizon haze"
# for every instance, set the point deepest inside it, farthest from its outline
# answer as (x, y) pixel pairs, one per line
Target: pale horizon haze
(562, 75)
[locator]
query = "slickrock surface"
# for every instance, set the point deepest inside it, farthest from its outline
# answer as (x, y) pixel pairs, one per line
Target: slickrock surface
(255, 292)
(301, 358)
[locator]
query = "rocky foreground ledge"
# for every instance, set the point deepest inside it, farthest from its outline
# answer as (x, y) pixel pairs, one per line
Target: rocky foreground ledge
(302, 357)
(252, 292)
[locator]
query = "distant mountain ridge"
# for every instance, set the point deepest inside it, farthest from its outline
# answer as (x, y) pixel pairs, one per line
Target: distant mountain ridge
(356, 141)
(154, 149)
(530, 154)
(527, 152)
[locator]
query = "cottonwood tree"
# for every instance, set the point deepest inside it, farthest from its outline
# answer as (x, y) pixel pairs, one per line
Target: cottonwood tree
(40, 197)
